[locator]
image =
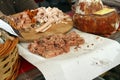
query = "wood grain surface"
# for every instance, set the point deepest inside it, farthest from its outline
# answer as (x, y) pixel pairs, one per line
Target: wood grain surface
(55, 29)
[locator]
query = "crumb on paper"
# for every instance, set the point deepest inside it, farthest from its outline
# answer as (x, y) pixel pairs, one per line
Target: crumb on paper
(100, 62)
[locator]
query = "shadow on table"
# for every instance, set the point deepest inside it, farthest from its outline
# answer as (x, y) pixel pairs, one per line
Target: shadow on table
(33, 74)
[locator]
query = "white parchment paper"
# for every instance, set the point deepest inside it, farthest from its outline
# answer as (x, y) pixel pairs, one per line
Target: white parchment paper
(95, 57)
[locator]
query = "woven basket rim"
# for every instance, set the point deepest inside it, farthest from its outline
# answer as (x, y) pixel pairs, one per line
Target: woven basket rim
(8, 46)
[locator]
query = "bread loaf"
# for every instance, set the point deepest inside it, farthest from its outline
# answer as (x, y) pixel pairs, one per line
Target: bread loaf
(97, 24)
(93, 17)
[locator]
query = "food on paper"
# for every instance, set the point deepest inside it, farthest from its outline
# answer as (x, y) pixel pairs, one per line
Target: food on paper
(53, 45)
(93, 17)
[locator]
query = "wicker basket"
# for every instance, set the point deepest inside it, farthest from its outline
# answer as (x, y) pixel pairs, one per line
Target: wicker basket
(9, 60)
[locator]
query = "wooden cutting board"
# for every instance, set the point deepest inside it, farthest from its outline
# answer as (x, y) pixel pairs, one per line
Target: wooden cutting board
(55, 29)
